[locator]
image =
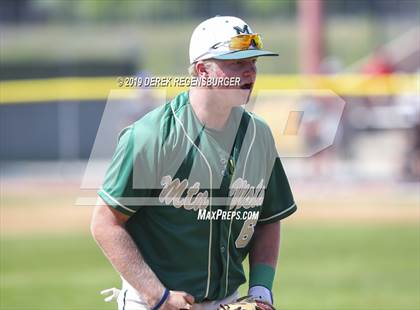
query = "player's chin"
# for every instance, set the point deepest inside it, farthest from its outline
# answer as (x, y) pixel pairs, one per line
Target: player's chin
(234, 96)
(245, 93)
(240, 97)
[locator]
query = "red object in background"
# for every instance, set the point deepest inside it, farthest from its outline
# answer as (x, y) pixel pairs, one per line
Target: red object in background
(311, 24)
(378, 65)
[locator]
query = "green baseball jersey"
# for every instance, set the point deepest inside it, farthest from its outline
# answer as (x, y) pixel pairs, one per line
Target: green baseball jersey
(194, 194)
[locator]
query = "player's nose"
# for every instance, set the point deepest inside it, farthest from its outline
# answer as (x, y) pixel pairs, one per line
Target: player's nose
(250, 70)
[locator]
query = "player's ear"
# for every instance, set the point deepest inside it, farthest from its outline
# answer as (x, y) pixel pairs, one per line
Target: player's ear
(202, 69)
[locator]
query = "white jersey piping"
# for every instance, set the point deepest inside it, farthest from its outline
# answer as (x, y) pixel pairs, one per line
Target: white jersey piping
(210, 197)
(230, 225)
(278, 214)
(116, 201)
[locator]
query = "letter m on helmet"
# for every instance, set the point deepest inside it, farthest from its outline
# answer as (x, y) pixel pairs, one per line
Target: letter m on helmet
(240, 30)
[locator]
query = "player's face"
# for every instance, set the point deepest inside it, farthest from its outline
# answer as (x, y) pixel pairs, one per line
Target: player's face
(245, 69)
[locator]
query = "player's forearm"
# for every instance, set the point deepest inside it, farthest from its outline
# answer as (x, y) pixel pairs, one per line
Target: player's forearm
(265, 245)
(121, 251)
(263, 260)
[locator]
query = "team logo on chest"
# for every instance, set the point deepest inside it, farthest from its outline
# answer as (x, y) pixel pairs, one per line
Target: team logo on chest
(246, 196)
(173, 190)
(178, 194)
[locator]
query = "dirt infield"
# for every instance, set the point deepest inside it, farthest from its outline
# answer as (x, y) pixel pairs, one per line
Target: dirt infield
(28, 208)
(36, 208)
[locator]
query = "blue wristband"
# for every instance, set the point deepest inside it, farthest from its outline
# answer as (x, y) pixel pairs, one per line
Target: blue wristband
(162, 300)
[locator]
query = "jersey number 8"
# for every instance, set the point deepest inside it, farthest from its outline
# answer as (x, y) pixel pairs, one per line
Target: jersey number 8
(246, 233)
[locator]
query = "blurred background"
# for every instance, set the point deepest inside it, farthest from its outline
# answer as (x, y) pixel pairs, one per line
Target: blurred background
(354, 242)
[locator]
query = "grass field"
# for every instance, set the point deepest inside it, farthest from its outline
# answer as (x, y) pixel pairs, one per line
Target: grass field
(335, 266)
(357, 247)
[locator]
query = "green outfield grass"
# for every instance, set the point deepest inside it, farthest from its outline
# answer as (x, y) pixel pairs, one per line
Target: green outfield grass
(342, 266)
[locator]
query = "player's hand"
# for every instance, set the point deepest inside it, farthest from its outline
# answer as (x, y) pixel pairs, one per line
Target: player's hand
(178, 300)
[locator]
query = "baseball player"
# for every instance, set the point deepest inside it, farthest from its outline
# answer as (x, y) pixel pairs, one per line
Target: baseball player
(195, 186)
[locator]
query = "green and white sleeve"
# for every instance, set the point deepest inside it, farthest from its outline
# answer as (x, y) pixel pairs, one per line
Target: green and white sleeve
(118, 182)
(278, 200)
